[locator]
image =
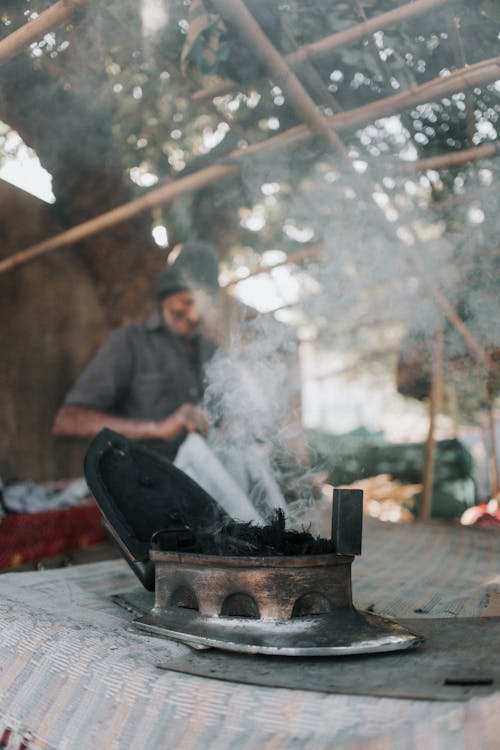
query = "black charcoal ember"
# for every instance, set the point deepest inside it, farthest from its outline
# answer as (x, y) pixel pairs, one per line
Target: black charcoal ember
(244, 539)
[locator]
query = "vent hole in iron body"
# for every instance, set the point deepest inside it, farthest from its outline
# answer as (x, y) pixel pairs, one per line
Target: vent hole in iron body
(311, 604)
(185, 598)
(240, 605)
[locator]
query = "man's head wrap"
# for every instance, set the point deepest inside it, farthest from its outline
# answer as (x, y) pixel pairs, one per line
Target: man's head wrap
(195, 268)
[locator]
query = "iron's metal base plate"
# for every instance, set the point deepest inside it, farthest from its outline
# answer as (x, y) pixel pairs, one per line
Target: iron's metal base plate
(459, 660)
(343, 632)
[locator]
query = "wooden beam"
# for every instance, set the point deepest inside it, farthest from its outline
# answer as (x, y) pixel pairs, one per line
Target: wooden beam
(462, 79)
(455, 158)
(493, 464)
(463, 199)
(446, 307)
(435, 403)
(122, 213)
(314, 251)
(483, 72)
(491, 389)
(316, 50)
(317, 252)
(373, 356)
(30, 32)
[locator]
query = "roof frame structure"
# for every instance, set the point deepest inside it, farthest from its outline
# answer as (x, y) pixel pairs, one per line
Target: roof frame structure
(483, 72)
(235, 11)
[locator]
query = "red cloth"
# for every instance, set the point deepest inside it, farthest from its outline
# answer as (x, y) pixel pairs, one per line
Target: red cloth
(29, 537)
(479, 515)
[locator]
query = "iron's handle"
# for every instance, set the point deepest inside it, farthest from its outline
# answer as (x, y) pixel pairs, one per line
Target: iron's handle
(347, 521)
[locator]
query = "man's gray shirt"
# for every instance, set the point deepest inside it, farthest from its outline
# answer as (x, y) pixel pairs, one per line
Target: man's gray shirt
(143, 371)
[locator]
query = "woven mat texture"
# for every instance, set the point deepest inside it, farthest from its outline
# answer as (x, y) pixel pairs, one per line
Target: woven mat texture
(74, 676)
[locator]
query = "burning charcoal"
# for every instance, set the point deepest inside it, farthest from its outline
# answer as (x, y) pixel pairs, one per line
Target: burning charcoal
(243, 539)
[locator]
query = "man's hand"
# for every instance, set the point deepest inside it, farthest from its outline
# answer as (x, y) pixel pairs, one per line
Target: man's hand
(78, 421)
(187, 418)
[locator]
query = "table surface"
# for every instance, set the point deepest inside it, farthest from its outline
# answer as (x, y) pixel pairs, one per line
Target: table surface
(75, 675)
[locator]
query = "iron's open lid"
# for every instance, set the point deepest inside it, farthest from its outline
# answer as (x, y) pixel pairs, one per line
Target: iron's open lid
(140, 492)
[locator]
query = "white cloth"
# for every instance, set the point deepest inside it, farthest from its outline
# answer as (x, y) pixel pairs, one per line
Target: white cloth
(198, 461)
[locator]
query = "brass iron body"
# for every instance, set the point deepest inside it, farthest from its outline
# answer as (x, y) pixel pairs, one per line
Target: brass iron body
(297, 605)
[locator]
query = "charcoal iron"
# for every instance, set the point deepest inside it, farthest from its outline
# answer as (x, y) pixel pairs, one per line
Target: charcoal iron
(293, 605)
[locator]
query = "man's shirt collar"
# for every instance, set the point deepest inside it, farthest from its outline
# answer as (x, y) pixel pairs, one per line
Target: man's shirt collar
(155, 322)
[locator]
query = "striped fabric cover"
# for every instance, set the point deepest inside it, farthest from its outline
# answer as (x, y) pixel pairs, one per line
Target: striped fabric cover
(74, 676)
(435, 570)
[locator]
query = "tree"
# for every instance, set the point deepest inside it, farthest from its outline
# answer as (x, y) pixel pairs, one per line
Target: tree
(109, 113)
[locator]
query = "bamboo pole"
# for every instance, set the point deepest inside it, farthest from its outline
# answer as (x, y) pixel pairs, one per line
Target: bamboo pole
(459, 200)
(316, 252)
(309, 252)
(318, 49)
(237, 14)
(455, 158)
(494, 478)
(435, 403)
(166, 193)
(488, 70)
(483, 72)
(30, 32)
(374, 356)
(446, 307)
(493, 464)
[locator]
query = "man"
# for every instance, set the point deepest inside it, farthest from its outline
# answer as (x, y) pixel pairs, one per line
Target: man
(147, 378)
